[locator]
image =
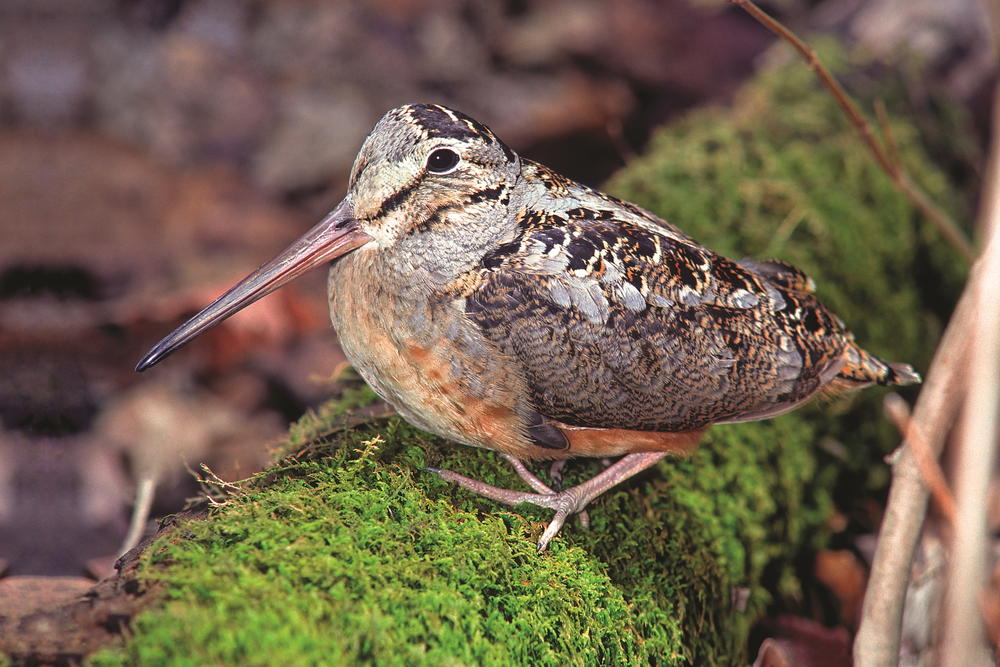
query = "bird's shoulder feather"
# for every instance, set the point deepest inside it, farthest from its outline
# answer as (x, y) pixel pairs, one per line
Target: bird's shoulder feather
(616, 323)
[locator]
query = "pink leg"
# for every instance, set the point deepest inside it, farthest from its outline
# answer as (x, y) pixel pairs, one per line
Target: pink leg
(556, 470)
(538, 485)
(525, 474)
(565, 503)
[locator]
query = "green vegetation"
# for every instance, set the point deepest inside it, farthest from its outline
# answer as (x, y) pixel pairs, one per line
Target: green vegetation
(346, 552)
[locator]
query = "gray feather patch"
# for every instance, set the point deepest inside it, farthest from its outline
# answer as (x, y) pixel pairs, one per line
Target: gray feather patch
(630, 297)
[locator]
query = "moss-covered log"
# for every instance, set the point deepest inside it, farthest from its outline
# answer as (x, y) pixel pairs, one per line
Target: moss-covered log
(345, 551)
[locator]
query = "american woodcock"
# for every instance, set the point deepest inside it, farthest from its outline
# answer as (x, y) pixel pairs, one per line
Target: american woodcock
(498, 304)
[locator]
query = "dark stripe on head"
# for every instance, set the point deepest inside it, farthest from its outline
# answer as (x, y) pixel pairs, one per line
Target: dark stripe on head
(487, 194)
(396, 199)
(436, 121)
(439, 121)
(428, 223)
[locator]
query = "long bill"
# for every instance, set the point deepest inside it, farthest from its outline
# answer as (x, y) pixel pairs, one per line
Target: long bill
(336, 235)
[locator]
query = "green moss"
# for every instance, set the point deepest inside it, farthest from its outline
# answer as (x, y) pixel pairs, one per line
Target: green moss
(343, 557)
(345, 551)
(352, 553)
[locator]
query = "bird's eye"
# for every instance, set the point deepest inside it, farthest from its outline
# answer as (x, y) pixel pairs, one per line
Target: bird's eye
(442, 161)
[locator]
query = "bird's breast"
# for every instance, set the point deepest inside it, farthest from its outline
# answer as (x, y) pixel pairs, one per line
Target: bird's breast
(423, 358)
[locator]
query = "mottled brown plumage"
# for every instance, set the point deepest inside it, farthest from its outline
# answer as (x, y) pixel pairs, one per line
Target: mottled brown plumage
(500, 305)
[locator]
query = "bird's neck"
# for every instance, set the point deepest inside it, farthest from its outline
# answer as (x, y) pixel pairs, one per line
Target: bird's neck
(454, 243)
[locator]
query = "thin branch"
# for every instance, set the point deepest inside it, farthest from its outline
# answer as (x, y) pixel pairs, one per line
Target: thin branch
(964, 641)
(878, 638)
(886, 128)
(948, 227)
(216, 489)
(145, 490)
(899, 412)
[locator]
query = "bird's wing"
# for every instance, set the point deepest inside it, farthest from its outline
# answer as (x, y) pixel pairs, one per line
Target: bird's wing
(616, 326)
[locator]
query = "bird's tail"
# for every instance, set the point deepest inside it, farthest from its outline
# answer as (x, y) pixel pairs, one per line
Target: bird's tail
(862, 369)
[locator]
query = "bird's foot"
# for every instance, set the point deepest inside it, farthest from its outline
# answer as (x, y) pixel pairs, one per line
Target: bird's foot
(540, 486)
(565, 503)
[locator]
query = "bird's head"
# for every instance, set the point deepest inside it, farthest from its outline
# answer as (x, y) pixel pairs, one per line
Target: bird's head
(430, 185)
(426, 168)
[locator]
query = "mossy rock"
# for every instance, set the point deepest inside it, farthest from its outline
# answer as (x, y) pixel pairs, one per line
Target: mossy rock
(346, 552)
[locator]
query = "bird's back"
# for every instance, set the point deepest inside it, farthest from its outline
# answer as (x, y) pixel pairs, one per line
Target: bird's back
(618, 320)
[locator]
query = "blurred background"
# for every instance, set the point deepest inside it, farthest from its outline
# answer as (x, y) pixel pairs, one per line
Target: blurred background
(153, 152)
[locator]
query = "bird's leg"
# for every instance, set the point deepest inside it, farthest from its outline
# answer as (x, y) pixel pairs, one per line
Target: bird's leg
(538, 485)
(525, 474)
(565, 503)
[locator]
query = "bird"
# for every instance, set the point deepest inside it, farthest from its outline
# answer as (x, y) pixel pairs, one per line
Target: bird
(498, 304)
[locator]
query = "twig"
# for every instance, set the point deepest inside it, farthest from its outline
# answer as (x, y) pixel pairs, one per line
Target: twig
(886, 128)
(144, 492)
(877, 641)
(220, 485)
(899, 412)
(964, 637)
(948, 227)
